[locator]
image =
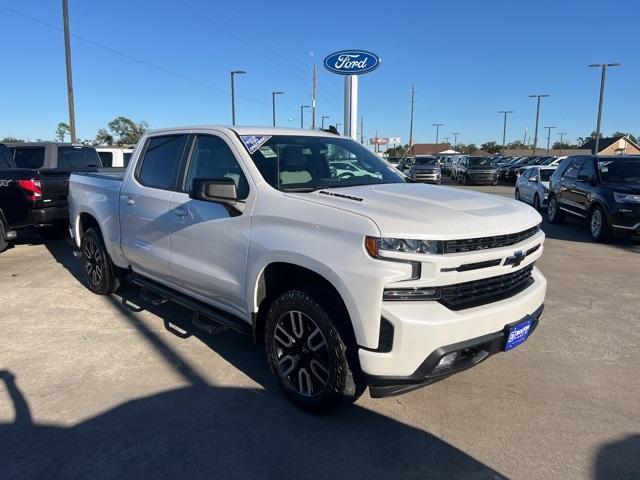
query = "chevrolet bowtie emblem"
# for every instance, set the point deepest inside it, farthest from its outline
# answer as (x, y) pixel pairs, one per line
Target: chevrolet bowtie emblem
(516, 259)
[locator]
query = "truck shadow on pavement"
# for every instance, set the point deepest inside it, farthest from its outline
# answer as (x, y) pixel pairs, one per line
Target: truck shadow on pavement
(207, 431)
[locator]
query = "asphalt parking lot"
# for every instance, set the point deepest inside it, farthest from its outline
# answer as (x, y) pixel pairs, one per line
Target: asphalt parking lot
(115, 387)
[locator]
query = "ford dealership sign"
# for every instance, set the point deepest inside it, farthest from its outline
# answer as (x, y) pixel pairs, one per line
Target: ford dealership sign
(351, 62)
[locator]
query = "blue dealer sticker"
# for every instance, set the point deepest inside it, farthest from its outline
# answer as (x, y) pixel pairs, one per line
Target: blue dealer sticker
(254, 142)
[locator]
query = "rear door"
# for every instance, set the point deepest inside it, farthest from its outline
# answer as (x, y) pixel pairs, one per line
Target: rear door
(145, 218)
(209, 247)
(584, 185)
(524, 185)
(568, 198)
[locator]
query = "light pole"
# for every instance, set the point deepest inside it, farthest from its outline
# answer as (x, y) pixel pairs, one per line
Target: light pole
(535, 137)
(562, 134)
(338, 125)
(322, 120)
(455, 139)
(302, 107)
(67, 54)
(413, 107)
(548, 137)
(233, 94)
(504, 128)
(273, 105)
(437, 125)
(603, 66)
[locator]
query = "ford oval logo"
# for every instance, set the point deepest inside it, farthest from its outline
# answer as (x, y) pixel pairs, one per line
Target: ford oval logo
(351, 62)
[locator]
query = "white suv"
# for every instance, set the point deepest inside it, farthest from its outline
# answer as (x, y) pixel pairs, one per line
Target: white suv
(349, 280)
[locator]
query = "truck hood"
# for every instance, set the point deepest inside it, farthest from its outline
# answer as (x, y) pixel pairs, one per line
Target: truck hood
(429, 211)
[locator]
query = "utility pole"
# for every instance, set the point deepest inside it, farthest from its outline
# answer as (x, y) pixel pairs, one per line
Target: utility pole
(302, 107)
(233, 94)
(437, 125)
(413, 106)
(67, 53)
(361, 129)
(273, 105)
(446, 139)
(314, 85)
(504, 128)
(524, 141)
(535, 138)
(548, 137)
(322, 120)
(455, 139)
(562, 134)
(603, 66)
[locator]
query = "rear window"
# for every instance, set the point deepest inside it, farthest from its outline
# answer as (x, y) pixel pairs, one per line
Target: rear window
(28, 157)
(161, 161)
(106, 158)
(78, 157)
(5, 157)
(126, 157)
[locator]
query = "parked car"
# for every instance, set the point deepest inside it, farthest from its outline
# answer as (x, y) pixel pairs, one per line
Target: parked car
(476, 170)
(510, 171)
(533, 185)
(455, 164)
(603, 190)
(51, 165)
(425, 169)
(248, 227)
(504, 166)
(114, 157)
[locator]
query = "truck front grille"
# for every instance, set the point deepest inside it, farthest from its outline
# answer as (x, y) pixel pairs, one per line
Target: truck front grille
(456, 246)
(487, 290)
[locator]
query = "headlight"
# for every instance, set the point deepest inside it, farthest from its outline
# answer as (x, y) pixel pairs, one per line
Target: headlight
(376, 245)
(626, 197)
(427, 293)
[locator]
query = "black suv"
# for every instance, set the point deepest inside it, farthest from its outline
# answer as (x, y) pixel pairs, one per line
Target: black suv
(603, 190)
(476, 170)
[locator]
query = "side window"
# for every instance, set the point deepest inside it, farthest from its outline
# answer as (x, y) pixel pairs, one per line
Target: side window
(74, 157)
(527, 173)
(212, 158)
(574, 168)
(28, 157)
(126, 158)
(588, 171)
(107, 158)
(161, 161)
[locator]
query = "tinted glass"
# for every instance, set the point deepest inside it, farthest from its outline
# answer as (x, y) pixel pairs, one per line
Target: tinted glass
(77, 157)
(545, 175)
(572, 171)
(28, 157)
(425, 161)
(161, 161)
(126, 157)
(527, 173)
(106, 158)
(588, 170)
(479, 161)
(619, 171)
(5, 157)
(308, 163)
(212, 158)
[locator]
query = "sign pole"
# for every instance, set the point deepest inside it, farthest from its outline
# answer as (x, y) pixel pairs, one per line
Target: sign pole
(351, 106)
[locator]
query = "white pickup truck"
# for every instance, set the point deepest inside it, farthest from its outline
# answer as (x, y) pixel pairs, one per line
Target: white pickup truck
(349, 280)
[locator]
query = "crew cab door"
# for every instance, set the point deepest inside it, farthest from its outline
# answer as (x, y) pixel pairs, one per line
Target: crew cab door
(145, 219)
(568, 198)
(209, 249)
(584, 185)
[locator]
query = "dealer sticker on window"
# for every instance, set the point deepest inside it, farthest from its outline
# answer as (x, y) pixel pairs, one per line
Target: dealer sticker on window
(254, 142)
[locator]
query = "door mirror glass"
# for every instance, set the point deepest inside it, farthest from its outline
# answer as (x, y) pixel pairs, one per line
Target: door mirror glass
(218, 190)
(534, 179)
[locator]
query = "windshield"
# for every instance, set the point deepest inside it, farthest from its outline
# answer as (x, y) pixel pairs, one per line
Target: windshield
(425, 161)
(299, 163)
(619, 171)
(476, 161)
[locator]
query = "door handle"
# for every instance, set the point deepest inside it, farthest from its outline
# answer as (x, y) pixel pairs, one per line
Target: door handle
(128, 200)
(180, 211)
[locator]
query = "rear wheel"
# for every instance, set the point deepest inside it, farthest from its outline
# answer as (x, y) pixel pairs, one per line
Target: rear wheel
(598, 225)
(517, 194)
(102, 276)
(536, 201)
(313, 362)
(553, 212)
(4, 244)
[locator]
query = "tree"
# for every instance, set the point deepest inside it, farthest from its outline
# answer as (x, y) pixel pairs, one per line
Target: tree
(622, 134)
(583, 140)
(561, 146)
(517, 145)
(11, 140)
(121, 131)
(491, 147)
(62, 130)
(398, 151)
(466, 149)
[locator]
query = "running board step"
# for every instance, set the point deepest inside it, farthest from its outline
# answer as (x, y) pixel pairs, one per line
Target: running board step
(218, 317)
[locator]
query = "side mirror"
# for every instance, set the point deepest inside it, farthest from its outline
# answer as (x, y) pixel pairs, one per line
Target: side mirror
(218, 190)
(534, 179)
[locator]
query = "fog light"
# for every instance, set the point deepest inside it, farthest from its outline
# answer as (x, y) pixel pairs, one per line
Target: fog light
(448, 360)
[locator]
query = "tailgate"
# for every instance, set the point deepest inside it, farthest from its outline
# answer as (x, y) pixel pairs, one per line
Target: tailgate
(55, 186)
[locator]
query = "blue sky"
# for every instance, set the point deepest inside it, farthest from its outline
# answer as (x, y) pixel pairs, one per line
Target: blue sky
(468, 59)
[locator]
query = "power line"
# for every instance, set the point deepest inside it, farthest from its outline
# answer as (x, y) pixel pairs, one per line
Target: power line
(137, 60)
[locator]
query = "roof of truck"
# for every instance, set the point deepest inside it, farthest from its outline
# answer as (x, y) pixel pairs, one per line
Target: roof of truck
(249, 130)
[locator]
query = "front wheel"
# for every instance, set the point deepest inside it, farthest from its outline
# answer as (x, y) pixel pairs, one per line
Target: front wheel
(598, 225)
(312, 361)
(517, 194)
(100, 273)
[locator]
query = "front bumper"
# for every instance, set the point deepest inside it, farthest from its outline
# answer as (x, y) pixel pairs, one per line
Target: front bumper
(427, 177)
(626, 220)
(423, 329)
(482, 178)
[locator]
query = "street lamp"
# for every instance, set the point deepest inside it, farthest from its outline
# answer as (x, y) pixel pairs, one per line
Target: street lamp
(322, 120)
(233, 94)
(548, 137)
(437, 125)
(562, 134)
(535, 138)
(603, 66)
(504, 127)
(455, 139)
(302, 107)
(273, 105)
